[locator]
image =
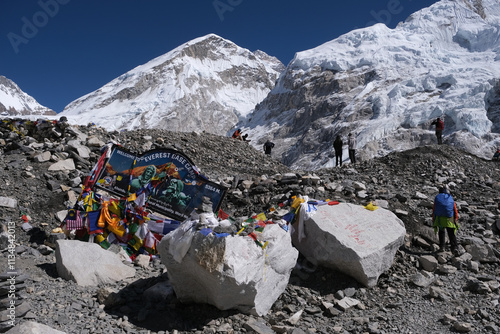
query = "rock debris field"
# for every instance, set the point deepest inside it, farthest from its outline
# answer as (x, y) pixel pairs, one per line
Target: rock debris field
(425, 291)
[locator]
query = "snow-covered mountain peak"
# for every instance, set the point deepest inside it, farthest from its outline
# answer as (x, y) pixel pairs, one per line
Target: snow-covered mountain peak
(15, 102)
(448, 25)
(206, 84)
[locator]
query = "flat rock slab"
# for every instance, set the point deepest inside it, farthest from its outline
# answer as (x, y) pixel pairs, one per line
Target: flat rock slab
(347, 237)
(63, 165)
(8, 202)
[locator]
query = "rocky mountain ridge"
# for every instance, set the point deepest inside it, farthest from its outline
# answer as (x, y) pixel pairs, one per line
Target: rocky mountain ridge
(424, 291)
(387, 85)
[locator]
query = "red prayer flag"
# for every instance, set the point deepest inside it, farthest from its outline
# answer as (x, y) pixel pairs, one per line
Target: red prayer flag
(223, 215)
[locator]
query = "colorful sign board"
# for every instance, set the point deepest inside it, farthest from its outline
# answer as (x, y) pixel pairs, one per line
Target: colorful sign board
(169, 180)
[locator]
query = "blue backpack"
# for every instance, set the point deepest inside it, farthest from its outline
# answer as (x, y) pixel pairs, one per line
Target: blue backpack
(444, 205)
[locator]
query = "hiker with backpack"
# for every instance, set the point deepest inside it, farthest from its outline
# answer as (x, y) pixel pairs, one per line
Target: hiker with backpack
(445, 217)
(439, 129)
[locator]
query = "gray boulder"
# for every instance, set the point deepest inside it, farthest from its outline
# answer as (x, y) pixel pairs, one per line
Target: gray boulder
(428, 262)
(82, 150)
(482, 253)
(347, 237)
(43, 157)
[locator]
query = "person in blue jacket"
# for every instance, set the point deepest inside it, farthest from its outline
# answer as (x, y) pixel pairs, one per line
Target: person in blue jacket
(445, 217)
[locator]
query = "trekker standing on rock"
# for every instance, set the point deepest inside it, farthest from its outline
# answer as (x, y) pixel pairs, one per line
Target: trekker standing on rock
(268, 146)
(337, 146)
(439, 129)
(351, 143)
(445, 217)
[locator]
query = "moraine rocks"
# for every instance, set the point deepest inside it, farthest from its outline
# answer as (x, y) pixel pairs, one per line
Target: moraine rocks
(423, 290)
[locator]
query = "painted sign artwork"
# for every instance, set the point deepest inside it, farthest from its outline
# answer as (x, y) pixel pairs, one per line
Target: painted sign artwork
(170, 182)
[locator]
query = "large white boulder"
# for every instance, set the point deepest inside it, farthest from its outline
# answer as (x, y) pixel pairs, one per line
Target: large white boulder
(230, 272)
(89, 264)
(356, 241)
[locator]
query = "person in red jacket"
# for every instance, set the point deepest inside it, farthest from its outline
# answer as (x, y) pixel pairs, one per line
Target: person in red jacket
(439, 129)
(496, 156)
(237, 134)
(445, 217)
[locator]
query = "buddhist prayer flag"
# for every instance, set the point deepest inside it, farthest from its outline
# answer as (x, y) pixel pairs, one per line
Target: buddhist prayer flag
(261, 216)
(163, 227)
(149, 240)
(223, 215)
(92, 220)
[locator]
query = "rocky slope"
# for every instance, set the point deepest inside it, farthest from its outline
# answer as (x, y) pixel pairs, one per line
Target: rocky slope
(452, 294)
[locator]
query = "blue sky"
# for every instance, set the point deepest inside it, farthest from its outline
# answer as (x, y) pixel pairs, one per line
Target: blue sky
(60, 50)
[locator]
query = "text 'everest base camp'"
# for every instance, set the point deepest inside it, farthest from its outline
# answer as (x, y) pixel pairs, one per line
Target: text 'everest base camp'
(112, 224)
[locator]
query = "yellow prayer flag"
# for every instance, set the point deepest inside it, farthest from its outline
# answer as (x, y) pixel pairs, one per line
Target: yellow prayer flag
(261, 216)
(296, 202)
(371, 207)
